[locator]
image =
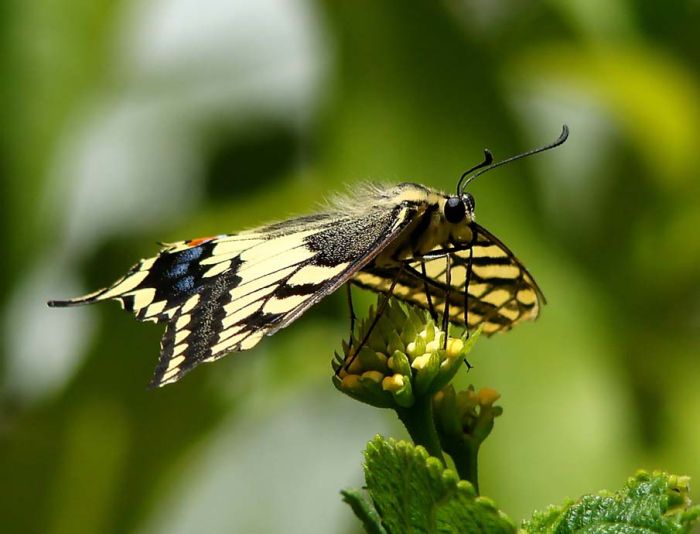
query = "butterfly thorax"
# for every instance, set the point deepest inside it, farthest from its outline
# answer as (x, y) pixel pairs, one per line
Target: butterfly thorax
(429, 229)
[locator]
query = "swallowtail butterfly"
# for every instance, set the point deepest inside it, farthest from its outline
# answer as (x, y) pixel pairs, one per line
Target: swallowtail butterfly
(222, 294)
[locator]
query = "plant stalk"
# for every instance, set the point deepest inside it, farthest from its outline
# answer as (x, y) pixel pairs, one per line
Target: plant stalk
(465, 455)
(418, 420)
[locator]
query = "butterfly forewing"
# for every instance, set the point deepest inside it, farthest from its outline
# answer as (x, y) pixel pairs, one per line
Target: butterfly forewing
(224, 293)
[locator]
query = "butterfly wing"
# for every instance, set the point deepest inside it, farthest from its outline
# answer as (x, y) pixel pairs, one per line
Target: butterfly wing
(223, 294)
(500, 293)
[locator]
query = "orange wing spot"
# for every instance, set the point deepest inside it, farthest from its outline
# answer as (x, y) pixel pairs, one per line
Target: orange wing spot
(199, 241)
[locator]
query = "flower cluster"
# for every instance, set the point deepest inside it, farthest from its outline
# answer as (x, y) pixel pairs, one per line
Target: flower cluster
(405, 356)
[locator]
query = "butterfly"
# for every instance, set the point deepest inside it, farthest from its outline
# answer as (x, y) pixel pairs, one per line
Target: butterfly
(224, 293)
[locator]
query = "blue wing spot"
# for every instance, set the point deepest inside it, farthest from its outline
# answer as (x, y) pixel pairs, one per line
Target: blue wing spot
(185, 285)
(177, 270)
(189, 255)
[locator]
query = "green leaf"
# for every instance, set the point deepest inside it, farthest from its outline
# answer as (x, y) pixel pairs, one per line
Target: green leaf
(364, 509)
(656, 503)
(412, 492)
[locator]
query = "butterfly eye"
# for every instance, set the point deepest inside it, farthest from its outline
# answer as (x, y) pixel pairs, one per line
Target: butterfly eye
(454, 210)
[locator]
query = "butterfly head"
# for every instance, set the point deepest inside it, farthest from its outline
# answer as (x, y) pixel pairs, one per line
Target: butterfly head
(459, 207)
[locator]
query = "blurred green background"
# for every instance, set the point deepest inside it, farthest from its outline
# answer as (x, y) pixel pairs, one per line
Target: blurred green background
(127, 123)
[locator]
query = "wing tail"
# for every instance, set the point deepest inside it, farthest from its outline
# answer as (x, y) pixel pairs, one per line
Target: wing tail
(95, 296)
(128, 290)
(154, 287)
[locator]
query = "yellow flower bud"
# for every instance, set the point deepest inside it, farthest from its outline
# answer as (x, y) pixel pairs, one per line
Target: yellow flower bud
(375, 376)
(454, 347)
(351, 382)
(487, 396)
(433, 346)
(355, 366)
(420, 362)
(393, 383)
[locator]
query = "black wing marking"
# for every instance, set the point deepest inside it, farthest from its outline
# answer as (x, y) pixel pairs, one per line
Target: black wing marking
(501, 291)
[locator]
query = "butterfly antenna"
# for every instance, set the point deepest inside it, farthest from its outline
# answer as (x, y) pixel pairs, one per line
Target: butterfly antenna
(559, 141)
(488, 160)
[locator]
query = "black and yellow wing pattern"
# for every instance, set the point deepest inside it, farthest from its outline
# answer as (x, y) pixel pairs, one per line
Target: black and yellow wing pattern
(488, 286)
(224, 293)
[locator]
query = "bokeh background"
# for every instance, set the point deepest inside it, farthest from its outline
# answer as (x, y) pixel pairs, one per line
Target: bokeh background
(131, 122)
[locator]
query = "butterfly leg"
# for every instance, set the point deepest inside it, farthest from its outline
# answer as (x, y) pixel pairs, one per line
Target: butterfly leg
(466, 291)
(353, 317)
(431, 308)
(448, 287)
(380, 312)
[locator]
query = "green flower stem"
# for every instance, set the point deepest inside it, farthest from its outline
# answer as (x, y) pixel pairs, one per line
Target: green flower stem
(418, 420)
(465, 454)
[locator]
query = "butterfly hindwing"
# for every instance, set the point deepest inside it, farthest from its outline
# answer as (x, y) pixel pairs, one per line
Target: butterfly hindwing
(501, 291)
